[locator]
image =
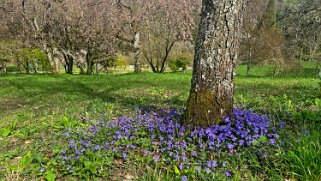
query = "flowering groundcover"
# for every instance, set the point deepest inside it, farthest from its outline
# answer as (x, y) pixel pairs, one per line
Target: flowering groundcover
(158, 140)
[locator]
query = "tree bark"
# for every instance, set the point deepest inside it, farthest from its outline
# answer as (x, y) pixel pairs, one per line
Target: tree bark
(70, 65)
(27, 68)
(52, 60)
(137, 51)
(90, 62)
(69, 60)
(249, 60)
(216, 51)
(168, 49)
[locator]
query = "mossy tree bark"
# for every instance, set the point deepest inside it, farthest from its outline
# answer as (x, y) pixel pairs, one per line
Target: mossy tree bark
(216, 52)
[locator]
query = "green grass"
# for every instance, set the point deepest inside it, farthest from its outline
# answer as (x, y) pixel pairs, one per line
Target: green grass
(33, 108)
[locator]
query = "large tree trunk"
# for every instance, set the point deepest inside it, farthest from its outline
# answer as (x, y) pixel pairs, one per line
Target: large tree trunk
(137, 51)
(216, 51)
(54, 63)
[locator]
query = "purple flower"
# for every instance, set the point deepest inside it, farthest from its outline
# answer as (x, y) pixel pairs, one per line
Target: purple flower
(272, 141)
(184, 157)
(224, 164)
(176, 157)
(181, 166)
(156, 158)
(241, 142)
(228, 174)
(124, 156)
(71, 143)
(42, 169)
(194, 153)
(281, 124)
(97, 147)
(184, 178)
(198, 168)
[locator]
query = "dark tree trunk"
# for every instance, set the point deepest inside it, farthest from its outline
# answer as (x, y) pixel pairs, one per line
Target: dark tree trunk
(160, 65)
(90, 69)
(27, 68)
(69, 60)
(18, 67)
(211, 94)
(168, 49)
(70, 65)
(248, 68)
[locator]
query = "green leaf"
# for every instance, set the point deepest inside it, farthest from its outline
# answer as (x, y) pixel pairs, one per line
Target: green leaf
(50, 176)
(37, 156)
(25, 160)
(176, 170)
(5, 132)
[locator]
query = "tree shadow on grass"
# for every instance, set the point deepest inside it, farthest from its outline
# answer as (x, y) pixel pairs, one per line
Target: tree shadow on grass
(121, 90)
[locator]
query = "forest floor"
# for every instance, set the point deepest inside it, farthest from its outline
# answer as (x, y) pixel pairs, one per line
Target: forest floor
(34, 109)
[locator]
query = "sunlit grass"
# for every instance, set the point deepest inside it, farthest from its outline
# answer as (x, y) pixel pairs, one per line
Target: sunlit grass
(33, 107)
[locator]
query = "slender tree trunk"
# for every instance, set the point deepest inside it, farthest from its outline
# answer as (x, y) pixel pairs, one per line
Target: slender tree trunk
(137, 52)
(35, 68)
(82, 70)
(97, 68)
(27, 68)
(168, 49)
(56, 69)
(90, 69)
(211, 94)
(18, 66)
(249, 64)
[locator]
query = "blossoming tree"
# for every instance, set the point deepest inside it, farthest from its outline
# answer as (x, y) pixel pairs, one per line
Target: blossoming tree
(216, 52)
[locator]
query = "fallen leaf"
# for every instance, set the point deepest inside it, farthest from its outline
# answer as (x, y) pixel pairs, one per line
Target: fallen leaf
(129, 177)
(28, 141)
(118, 161)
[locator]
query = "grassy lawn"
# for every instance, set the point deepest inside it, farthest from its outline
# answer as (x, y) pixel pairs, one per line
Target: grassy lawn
(34, 110)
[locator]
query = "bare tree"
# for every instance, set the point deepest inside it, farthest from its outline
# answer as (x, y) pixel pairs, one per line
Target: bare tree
(164, 27)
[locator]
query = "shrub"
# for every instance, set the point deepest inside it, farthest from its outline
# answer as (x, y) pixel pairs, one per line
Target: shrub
(120, 61)
(180, 62)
